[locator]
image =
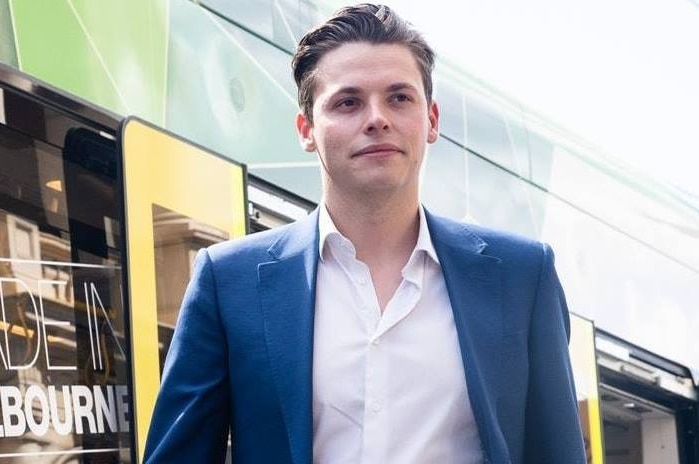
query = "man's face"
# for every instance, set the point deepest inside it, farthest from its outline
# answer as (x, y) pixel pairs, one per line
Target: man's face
(371, 119)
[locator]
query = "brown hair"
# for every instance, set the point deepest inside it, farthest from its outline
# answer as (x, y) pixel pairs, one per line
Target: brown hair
(366, 22)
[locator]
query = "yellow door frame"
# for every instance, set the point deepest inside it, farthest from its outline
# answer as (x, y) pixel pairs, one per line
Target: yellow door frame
(162, 168)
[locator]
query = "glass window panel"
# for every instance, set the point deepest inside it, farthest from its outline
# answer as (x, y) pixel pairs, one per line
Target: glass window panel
(302, 15)
(256, 15)
(502, 200)
(282, 22)
(177, 238)
(302, 180)
(519, 138)
(626, 200)
(444, 189)
(487, 132)
(628, 288)
(63, 367)
(451, 109)
(540, 159)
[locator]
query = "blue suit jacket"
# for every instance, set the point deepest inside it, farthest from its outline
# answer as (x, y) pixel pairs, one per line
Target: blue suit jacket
(242, 350)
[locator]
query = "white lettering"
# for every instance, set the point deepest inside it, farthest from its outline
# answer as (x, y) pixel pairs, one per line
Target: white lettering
(89, 326)
(96, 298)
(35, 392)
(105, 408)
(8, 363)
(65, 427)
(54, 323)
(12, 414)
(83, 410)
(123, 407)
(38, 411)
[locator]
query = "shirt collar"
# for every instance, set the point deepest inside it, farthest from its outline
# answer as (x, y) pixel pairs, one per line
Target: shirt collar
(327, 229)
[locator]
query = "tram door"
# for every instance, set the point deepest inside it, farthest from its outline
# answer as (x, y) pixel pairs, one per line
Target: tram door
(648, 406)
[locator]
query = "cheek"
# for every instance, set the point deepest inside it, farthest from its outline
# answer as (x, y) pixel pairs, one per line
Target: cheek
(414, 123)
(332, 136)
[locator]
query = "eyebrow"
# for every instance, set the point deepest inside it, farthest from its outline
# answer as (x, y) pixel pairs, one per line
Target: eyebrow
(391, 88)
(400, 86)
(347, 90)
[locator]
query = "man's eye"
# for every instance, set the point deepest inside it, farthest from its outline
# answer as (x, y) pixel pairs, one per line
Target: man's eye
(401, 97)
(346, 103)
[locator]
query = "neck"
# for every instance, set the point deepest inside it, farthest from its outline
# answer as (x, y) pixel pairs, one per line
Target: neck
(381, 229)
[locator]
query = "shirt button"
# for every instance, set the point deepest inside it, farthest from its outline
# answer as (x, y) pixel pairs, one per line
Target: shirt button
(375, 341)
(362, 281)
(375, 407)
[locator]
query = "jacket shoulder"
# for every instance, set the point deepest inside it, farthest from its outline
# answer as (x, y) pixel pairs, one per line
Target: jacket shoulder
(251, 245)
(506, 243)
(506, 246)
(269, 245)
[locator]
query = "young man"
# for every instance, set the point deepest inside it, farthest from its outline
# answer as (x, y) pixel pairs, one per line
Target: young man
(372, 331)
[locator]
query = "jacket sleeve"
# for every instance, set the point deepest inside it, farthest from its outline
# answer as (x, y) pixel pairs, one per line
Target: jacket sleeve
(552, 434)
(191, 417)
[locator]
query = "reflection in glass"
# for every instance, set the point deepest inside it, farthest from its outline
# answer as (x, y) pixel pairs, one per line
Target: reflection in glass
(282, 22)
(63, 388)
(443, 186)
(177, 239)
(499, 199)
(488, 133)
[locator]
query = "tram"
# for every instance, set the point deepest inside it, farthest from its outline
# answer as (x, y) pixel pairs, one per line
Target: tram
(101, 215)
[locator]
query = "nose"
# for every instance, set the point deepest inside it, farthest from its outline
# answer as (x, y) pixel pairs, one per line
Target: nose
(377, 120)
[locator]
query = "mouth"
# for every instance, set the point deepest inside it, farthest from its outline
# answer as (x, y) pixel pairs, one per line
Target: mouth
(383, 149)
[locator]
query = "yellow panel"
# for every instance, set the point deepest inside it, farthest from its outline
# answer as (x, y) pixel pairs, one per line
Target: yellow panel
(582, 356)
(159, 168)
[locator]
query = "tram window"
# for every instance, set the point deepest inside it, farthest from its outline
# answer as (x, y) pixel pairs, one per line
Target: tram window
(637, 431)
(177, 238)
(63, 367)
(487, 133)
(256, 14)
(444, 187)
(451, 108)
(541, 158)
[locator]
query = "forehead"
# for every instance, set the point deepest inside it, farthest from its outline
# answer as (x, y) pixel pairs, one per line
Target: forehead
(360, 64)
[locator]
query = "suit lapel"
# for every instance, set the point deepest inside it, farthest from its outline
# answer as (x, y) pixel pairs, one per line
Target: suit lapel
(473, 282)
(287, 297)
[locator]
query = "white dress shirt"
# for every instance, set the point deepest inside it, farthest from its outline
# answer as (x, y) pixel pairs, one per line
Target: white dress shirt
(387, 388)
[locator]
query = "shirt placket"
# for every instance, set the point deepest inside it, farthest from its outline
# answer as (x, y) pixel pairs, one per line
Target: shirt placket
(373, 421)
(376, 420)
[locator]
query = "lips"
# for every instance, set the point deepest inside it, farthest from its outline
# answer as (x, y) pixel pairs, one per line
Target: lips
(378, 150)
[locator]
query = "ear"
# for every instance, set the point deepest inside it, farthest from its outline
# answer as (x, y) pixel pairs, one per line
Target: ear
(304, 128)
(433, 119)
